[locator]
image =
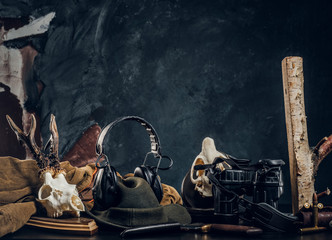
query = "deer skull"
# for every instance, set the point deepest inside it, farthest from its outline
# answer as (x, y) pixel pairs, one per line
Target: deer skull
(206, 156)
(56, 195)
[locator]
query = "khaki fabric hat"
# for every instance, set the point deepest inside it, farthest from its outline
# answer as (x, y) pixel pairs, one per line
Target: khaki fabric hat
(139, 207)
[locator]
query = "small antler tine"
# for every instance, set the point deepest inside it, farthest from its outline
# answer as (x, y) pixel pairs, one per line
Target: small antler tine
(31, 134)
(15, 128)
(55, 136)
(54, 144)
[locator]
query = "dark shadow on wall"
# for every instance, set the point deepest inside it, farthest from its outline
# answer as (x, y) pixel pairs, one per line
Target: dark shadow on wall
(9, 105)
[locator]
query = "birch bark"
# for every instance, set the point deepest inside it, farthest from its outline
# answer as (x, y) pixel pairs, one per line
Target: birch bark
(303, 161)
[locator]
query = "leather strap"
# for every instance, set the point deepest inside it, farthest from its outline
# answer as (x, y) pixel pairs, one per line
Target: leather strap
(262, 213)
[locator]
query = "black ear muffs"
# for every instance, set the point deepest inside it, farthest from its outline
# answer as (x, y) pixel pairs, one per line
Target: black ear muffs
(105, 189)
(150, 175)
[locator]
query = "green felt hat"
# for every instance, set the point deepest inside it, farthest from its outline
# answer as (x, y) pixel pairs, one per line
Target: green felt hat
(139, 207)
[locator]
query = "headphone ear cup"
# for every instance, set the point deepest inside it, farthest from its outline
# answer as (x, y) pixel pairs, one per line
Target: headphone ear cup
(152, 178)
(105, 188)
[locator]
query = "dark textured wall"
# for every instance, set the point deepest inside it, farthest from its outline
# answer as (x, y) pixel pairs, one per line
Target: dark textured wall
(191, 68)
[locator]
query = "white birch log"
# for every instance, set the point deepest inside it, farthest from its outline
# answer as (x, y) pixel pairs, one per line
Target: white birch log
(303, 161)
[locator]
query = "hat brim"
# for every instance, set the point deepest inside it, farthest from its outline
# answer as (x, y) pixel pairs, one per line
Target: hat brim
(123, 218)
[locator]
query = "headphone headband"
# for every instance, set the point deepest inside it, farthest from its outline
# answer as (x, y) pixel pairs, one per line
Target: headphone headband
(155, 143)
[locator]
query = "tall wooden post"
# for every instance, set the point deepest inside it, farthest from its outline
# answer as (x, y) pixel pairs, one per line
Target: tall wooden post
(297, 136)
(303, 161)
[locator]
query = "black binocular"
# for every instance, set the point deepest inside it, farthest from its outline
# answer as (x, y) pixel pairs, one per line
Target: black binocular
(262, 182)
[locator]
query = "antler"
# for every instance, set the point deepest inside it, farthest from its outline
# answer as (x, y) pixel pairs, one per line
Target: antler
(44, 162)
(54, 145)
(29, 141)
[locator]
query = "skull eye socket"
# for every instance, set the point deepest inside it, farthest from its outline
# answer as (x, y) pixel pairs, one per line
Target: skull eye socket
(76, 201)
(45, 191)
(199, 161)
